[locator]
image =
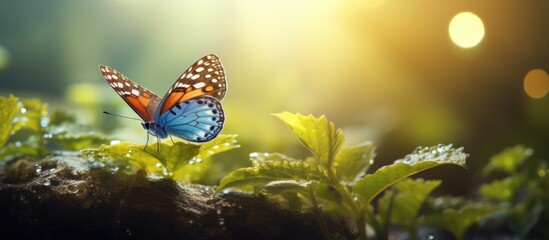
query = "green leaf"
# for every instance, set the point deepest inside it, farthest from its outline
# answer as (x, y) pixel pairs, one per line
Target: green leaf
(25, 148)
(420, 160)
(457, 221)
(34, 115)
(351, 163)
(409, 196)
(266, 170)
(524, 216)
(503, 189)
(78, 142)
(165, 158)
(8, 111)
(159, 158)
(317, 134)
(222, 143)
(202, 164)
(509, 160)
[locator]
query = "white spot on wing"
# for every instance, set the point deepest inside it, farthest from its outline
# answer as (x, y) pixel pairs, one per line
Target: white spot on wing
(114, 77)
(199, 85)
(196, 76)
(135, 92)
(200, 69)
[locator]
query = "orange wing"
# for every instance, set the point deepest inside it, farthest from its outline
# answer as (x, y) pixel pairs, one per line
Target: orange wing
(140, 99)
(205, 77)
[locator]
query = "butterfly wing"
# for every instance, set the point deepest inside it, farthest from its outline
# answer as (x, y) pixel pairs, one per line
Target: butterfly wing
(198, 120)
(206, 77)
(140, 99)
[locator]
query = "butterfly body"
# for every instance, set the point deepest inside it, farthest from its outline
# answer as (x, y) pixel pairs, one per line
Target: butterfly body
(191, 109)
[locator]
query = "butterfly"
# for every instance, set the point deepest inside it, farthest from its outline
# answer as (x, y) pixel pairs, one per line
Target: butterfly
(190, 110)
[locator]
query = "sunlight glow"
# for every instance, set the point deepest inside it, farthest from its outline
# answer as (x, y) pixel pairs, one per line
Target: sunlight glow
(536, 83)
(466, 30)
(371, 3)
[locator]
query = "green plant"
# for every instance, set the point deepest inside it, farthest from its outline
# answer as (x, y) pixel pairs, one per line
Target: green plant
(27, 129)
(169, 159)
(335, 180)
(523, 192)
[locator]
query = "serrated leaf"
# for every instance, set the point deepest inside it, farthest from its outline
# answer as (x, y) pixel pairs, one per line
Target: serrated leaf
(509, 160)
(409, 196)
(165, 158)
(503, 189)
(171, 157)
(420, 160)
(317, 134)
(458, 221)
(8, 111)
(267, 171)
(352, 162)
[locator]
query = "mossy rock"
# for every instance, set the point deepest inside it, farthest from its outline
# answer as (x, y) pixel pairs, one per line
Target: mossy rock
(64, 197)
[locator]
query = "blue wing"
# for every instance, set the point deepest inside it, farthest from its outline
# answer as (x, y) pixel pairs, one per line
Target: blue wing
(198, 119)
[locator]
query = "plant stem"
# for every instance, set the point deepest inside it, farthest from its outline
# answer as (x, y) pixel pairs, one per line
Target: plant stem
(318, 212)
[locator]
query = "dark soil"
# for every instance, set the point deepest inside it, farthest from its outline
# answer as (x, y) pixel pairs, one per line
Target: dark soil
(65, 198)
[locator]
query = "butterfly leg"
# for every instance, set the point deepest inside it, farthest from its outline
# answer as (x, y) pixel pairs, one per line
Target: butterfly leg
(172, 139)
(147, 143)
(157, 144)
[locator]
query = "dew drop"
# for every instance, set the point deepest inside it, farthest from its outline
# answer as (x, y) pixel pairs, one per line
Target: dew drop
(44, 122)
(430, 236)
(73, 189)
(38, 168)
(23, 110)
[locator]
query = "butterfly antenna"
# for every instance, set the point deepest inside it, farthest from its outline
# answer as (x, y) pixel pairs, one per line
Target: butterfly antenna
(116, 115)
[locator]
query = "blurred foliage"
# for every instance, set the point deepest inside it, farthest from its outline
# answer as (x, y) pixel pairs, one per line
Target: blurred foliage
(28, 130)
(313, 184)
(523, 192)
(400, 205)
(457, 220)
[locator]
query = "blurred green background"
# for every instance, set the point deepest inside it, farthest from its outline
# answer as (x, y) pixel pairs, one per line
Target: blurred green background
(386, 71)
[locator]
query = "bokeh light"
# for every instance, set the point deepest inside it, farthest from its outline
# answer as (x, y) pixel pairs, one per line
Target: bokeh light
(466, 30)
(536, 83)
